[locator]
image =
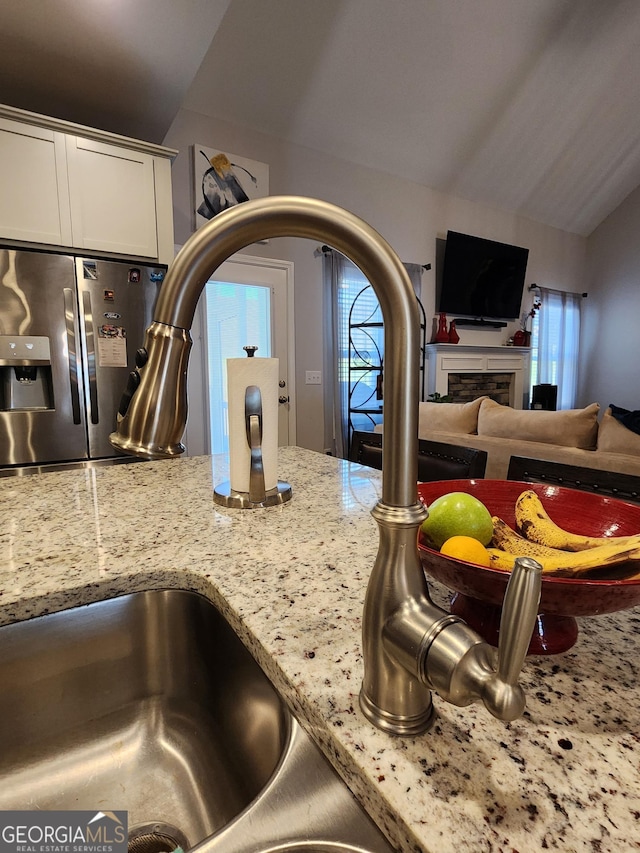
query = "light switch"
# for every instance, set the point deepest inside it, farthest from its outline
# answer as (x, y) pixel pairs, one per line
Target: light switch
(313, 377)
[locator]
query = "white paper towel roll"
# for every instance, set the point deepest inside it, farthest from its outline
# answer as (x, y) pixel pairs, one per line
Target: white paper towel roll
(264, 373)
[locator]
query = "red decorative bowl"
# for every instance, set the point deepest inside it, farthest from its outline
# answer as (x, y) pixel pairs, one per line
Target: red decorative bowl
(480, 591)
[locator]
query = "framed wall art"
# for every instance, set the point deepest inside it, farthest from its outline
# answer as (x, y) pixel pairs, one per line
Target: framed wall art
(222, 180)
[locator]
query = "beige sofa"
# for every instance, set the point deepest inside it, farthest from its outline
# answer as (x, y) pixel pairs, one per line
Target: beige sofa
(572, 437)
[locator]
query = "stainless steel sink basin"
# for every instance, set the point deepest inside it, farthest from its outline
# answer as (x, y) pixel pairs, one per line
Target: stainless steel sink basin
(151, 704)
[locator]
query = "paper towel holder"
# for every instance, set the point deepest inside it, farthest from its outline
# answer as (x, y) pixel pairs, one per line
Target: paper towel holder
(257, 496)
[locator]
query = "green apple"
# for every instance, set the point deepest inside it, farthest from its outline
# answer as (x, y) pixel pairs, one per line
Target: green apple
(457, 514)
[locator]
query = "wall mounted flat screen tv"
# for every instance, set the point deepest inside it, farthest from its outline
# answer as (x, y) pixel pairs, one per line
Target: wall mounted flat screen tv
(482, 278)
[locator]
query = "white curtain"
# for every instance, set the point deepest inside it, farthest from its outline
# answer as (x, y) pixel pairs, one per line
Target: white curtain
(336, 393)
(556, 342)
(342, 282)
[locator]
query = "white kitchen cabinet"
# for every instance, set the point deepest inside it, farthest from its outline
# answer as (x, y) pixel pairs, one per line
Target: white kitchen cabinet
(84, 189)
(112, 195)
(34, 199)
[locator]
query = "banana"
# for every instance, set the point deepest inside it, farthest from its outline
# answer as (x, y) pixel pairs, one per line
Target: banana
(507, 539)
(534, 523)
(569, 563)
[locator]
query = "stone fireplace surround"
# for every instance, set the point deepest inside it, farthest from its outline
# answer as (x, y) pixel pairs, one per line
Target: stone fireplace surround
(468, 372)
(464, 387)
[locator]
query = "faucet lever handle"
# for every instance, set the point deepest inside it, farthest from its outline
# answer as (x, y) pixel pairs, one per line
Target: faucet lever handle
(519, 611)
(503, 695)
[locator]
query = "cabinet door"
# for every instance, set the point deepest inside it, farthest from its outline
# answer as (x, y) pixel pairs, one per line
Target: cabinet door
(112, 194)
(34, 201)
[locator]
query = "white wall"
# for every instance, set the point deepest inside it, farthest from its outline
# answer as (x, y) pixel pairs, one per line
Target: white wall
(408, 215)
(610, 342)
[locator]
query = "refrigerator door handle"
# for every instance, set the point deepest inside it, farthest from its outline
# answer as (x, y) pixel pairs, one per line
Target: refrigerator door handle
(91, 357)
(69, 316)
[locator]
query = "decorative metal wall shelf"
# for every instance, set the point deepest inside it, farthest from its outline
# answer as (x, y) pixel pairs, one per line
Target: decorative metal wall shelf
(366, 360)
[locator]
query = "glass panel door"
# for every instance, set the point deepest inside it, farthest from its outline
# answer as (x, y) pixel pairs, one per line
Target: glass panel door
(247, 302)
(237, 315)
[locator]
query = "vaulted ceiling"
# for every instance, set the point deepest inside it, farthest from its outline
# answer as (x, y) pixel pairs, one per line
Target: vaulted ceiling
(532, 106)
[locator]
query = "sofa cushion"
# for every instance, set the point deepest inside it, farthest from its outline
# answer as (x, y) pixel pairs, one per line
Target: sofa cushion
(449, 417)
(567, 428)
(613, 437)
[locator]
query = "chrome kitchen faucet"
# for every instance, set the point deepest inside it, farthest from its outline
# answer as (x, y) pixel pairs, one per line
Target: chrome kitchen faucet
(410, 645)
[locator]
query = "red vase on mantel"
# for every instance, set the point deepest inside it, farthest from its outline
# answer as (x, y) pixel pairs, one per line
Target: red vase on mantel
(522, 338)
(454, 337)
(442, 335)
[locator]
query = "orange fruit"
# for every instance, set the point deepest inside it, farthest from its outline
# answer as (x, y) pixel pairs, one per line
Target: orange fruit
(466, 548)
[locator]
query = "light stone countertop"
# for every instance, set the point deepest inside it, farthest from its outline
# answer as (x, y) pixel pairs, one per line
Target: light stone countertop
(291, 580)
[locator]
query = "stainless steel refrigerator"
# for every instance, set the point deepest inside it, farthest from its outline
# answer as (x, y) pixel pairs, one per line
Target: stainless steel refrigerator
(69, 330)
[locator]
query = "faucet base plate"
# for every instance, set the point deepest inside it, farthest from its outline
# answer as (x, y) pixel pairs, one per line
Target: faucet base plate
(396, 724)
(224, 495)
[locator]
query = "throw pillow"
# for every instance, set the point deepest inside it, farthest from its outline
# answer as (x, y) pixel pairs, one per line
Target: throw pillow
(629, 419)
(616, 438)
(567, 428)
(449, 417)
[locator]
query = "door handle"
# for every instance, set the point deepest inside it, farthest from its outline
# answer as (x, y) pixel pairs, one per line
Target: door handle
(283, 399)
(69, 318)
(91, 357)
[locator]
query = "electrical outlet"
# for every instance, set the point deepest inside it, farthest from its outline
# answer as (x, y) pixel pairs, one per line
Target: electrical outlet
(313, 377)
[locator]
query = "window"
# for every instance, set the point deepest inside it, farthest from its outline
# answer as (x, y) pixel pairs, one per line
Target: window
(355, 349)
(361, 352)
(555, 342)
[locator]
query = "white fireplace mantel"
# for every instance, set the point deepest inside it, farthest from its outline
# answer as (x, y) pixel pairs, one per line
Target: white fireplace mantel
(443, 359)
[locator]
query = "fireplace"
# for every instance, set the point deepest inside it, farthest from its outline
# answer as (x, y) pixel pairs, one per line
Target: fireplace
(464, 387)
(469, 372)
